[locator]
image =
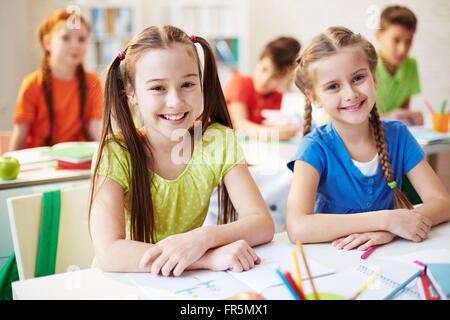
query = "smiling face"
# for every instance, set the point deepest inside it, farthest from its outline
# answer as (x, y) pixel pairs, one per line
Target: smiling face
(395, 43)
(167, 90)
(67, 46)
(344, 86)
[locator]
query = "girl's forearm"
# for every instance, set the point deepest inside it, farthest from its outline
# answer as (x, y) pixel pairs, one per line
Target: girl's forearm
(122, 256)
(254, 229)
(319, 227)
(437, 210)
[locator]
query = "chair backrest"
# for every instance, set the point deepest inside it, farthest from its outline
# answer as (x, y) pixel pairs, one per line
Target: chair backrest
(75, 248)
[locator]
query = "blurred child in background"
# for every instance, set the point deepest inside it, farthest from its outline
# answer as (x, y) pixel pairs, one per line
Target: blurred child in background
(60, 101)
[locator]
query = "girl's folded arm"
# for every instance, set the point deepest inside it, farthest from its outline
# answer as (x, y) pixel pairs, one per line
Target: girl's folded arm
(304, 225)
(435, 198)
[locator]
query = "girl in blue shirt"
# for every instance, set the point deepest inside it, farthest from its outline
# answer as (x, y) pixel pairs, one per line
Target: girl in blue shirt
(355, 163)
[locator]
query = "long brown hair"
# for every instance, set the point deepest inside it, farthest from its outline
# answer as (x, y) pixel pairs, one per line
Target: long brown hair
(325, 45)
(47, 27)
(121, 75)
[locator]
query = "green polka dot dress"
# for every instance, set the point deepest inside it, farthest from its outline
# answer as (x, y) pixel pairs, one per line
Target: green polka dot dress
(180, 205)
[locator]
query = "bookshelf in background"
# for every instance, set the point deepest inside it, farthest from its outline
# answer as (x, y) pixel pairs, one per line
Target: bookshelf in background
(221, 23)
(113, 24)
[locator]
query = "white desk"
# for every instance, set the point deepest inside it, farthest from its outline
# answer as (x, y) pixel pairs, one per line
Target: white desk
(95, 284)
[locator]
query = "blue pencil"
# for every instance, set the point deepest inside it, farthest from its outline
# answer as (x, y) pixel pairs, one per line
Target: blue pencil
(286, 283)
(403, 285)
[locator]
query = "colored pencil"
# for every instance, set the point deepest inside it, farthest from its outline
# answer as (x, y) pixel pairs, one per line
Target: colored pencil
(369, 280)
(294, 286)
(286, 283)
(443, 104)
(368, 252)
(298, 277)
(300, 247)
(428, 105)
(403, 285)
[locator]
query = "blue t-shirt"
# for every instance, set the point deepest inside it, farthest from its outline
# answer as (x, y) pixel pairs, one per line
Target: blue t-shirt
(342, 186)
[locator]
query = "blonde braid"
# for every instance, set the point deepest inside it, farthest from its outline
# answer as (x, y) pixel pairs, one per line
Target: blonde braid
(400, 199)
(307, 117)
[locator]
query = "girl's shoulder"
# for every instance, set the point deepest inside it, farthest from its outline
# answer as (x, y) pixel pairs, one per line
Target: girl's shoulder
(92, 79)
(320, 134)
(392, 128)
(91, 76)
(34, 78)
(214, 128)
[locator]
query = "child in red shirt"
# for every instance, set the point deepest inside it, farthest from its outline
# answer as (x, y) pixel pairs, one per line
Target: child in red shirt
(248, 96)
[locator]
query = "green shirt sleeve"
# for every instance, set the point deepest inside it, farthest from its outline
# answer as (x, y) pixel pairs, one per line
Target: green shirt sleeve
(221, 150)
(115, 164)
(414, 76)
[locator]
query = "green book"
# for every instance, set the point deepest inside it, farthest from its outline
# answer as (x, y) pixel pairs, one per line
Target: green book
(75, 152)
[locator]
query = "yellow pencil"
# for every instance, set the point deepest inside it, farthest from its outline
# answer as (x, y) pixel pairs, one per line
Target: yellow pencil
(298, 277)
(300, 247)
(366, 284)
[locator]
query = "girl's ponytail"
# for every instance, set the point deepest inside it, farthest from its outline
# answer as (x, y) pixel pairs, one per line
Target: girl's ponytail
(213, 98)
(116, 107)
(400, 199)
(215, 110)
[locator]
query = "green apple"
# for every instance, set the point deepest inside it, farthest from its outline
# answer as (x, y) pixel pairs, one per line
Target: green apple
(9, 168)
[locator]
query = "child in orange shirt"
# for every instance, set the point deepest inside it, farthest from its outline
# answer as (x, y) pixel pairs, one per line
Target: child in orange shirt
(248, 96)
(60, 101)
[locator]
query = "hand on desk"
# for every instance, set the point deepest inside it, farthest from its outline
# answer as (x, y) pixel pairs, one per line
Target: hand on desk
(363, 241)
(237, 256)
(405, 223)
(174, 253)
(179, 252)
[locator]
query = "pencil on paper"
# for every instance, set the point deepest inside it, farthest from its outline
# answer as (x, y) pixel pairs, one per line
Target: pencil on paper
(300, 247)
(403, 285)
(371, 278)
(286, 283)
(368, 252)
(298, 277)
(294, 286)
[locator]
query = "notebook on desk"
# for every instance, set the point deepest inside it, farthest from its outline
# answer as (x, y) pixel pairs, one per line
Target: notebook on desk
(391, 275)
(428, 136)
(206, 284)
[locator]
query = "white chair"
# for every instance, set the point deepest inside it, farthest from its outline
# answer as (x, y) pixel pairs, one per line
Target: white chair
(75, 250)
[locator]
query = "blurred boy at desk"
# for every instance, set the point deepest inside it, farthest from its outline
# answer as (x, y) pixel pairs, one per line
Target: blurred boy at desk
(248, 96)
(397, 75)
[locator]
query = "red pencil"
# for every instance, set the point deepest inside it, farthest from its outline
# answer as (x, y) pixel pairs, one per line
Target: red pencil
(294, 286)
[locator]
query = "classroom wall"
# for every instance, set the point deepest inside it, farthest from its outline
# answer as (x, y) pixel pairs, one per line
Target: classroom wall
(13, 56)
(266, 19)
(305, 18)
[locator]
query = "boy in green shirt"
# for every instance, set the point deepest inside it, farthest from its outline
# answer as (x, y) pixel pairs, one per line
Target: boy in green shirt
(397, 75)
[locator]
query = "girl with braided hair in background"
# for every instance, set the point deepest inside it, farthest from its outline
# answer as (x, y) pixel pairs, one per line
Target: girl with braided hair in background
(354, 164)
(61, 101)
